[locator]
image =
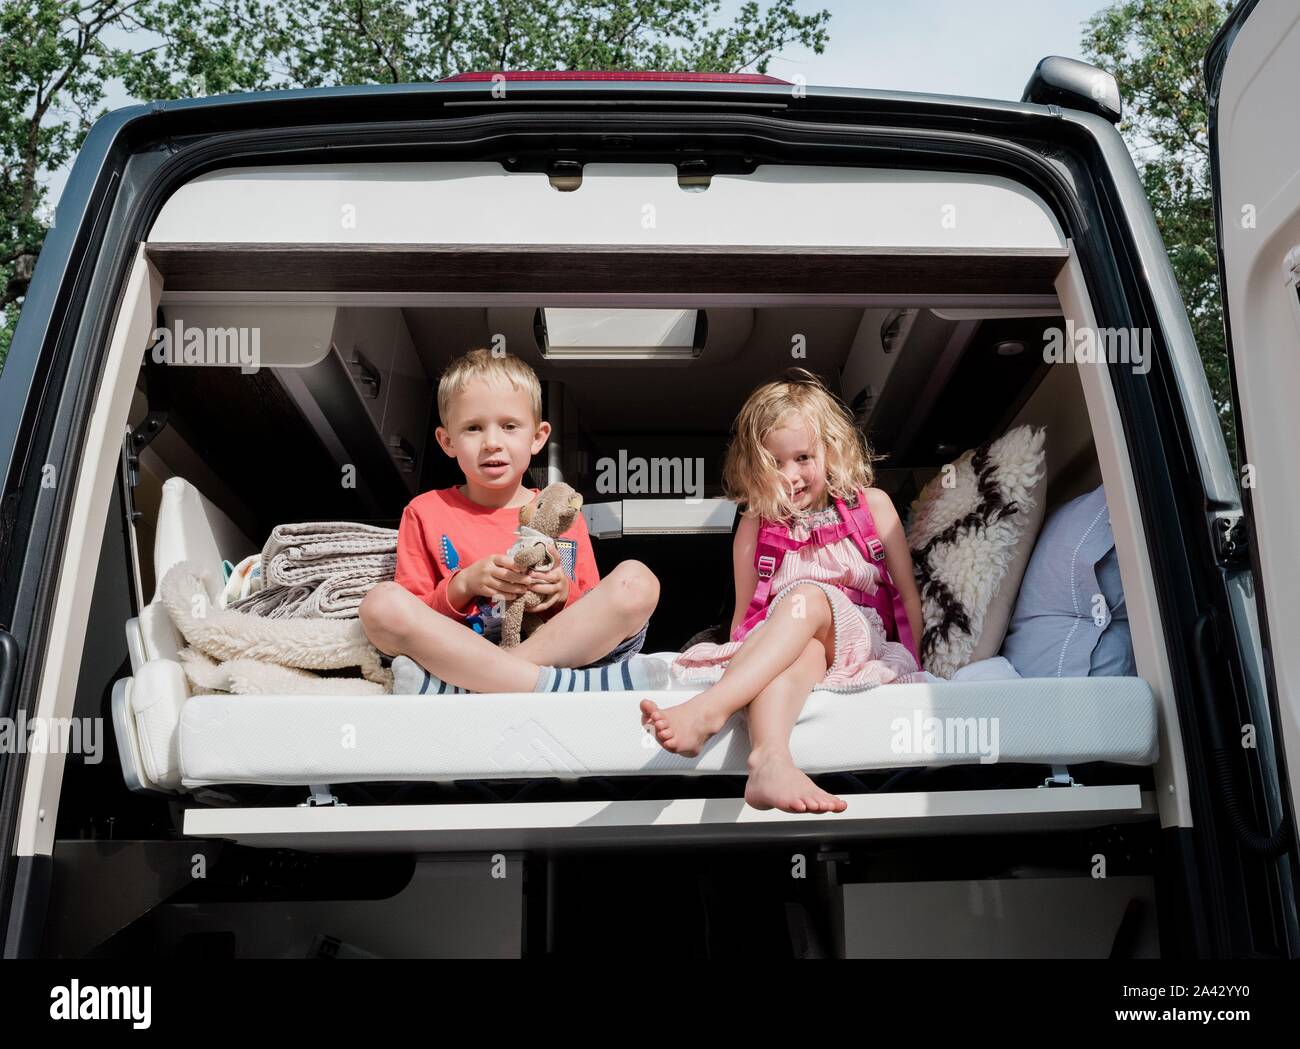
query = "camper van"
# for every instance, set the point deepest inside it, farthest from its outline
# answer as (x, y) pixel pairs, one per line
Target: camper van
(238, 321)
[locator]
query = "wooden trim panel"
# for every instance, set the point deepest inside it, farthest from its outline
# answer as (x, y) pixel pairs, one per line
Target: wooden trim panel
(551, 269)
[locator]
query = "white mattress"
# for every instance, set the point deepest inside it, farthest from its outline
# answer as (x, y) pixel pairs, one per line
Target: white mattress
(298, 740)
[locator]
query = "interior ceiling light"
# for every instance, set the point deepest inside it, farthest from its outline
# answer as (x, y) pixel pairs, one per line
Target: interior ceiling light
(892, 328)
(620, 334)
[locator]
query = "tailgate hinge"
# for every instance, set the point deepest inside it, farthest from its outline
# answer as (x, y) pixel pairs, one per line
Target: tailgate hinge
(157, 404)
(1231, 543)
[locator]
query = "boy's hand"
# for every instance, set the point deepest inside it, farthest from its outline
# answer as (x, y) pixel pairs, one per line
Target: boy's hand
(491, 577)
(553, 586)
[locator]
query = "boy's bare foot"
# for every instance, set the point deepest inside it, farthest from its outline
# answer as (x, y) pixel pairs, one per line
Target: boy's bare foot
(776, 783)
(682, 729)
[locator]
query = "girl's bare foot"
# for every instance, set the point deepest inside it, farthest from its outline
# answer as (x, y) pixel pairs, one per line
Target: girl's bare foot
(776, 783)
(685, 728)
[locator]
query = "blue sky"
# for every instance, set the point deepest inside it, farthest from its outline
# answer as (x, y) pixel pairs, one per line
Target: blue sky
(981, 48)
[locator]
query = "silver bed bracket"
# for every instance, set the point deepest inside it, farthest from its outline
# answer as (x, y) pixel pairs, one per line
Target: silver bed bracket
(1060, 777)
(320, 796)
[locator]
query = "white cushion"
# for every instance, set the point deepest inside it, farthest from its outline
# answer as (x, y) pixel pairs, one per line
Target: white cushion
(191, 528)
(1070, 619)
(158, 692)
(135, 645)
(356, 739)
(158, 637)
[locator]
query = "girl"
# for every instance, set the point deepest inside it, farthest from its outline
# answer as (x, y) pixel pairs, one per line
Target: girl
(824, 588)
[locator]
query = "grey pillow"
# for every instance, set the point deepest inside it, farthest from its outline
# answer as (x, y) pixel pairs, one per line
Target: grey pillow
(1070, 618)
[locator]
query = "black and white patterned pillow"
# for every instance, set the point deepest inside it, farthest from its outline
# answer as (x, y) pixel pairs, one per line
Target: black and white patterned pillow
(971, 531)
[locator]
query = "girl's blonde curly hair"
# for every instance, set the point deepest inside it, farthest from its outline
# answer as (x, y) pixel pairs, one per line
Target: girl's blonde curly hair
(749, 471)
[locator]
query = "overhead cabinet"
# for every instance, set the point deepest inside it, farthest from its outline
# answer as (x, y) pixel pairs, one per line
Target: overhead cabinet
(352, 372)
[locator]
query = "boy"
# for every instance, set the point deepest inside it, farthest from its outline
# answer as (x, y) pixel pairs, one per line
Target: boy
(451, 563)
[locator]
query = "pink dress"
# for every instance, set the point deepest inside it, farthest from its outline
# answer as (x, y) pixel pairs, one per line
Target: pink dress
(863, 658)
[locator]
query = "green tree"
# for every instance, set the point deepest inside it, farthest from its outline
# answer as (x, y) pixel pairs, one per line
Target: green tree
(1155, 50)
(246, 44)
(59, 57)
(50, 86)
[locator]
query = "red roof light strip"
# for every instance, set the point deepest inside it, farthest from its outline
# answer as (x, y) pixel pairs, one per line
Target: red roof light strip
(579, 74)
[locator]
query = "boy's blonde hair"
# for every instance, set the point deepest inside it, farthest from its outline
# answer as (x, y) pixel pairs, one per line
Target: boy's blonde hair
(483, 364)
(749, 472)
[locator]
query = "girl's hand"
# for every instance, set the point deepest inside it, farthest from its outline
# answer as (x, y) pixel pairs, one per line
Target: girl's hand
(552, 585)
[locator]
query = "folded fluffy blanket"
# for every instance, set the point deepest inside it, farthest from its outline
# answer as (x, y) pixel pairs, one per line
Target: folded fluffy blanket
(254, 677)
(226, 634)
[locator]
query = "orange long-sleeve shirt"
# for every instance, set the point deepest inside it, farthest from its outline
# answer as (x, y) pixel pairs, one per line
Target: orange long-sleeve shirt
(443, 518)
